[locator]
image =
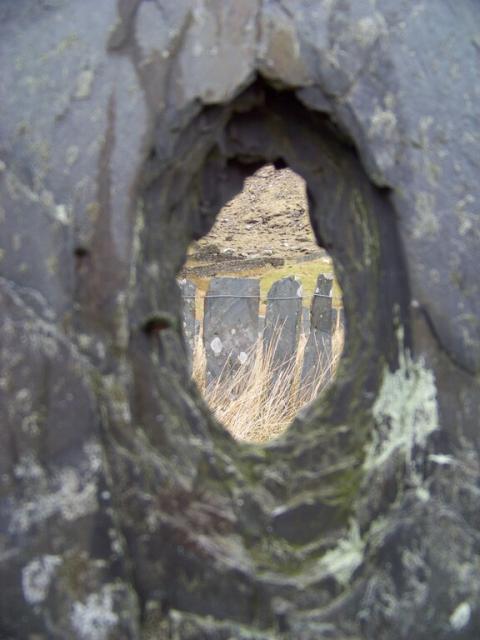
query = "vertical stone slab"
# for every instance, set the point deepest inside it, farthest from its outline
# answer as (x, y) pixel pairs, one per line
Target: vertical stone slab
(306, 322)
(339, 320)
(188, 290)
(318, 351)
(261, 326)
(283, 322)
(230, 324)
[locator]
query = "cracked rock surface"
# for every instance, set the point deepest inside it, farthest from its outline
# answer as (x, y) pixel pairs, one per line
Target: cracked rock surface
(126, 512)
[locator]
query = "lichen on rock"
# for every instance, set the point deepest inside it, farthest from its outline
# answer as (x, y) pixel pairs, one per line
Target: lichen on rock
(120, 495)
(405, 411)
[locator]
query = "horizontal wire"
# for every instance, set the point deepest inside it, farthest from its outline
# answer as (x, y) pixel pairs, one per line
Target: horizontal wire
(228, 295)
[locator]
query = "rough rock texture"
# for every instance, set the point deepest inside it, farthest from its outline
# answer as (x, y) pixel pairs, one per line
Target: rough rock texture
(125, 511)
(267, 219)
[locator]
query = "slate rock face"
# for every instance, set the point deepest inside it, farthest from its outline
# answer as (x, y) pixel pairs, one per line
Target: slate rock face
(126, 511)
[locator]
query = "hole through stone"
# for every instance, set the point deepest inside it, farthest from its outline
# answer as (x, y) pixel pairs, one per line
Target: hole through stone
(262, 311)
(354, 221)
(351, 218)
(127, 512)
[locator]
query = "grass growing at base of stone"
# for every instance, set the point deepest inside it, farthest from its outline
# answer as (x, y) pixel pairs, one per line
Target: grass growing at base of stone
(255, 406)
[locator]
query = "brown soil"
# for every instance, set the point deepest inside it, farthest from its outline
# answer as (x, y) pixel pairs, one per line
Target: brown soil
(269, 218)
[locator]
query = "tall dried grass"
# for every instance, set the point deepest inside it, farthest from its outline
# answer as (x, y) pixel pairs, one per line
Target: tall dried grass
(257, 403)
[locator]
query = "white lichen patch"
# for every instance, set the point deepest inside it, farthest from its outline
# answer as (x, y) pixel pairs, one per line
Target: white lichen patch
(368, 29)
(70, 501)
(217, 346)
(405, 411)
(465, 226)
(84, 84)
(461, 616)
(383, 123)
(61, 214)
(44, 341)
(73, 497)
(94, 618)
(28, 469)
(426, 223)
(84, 341)
(93, 452)
(422, 494)
(346, 557)
(442, 459)
(242, 357)
(71, 155)
(36, 578)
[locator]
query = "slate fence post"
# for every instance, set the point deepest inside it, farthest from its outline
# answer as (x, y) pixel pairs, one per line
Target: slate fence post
(318, 350)
(189, 291)
(283, 323)
(230, 325)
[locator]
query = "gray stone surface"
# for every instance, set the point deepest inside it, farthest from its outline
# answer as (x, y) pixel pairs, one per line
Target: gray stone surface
(126, 511)
(306, 322)
(317, 359)
(339, 319)
(261, 325)
(230, 325)
(189, 291)
(283, 323)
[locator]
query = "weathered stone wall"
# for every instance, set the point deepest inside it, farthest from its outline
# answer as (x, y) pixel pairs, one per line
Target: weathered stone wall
(125, 511)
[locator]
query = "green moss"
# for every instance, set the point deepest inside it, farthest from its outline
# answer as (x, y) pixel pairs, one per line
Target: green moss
(276, 555)
(345, 489)
(254, 462)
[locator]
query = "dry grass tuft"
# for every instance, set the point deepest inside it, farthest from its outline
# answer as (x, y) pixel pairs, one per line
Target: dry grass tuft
(257, 403)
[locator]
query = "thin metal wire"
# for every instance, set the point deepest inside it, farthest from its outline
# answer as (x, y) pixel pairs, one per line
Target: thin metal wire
(221, 295)
(228, 295)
